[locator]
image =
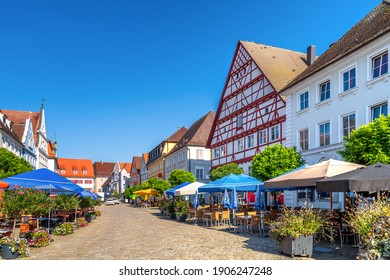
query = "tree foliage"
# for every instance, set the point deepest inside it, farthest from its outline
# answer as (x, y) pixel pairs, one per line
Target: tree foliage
(369, 143)
(11, 165)
(274, 161)
(156, 184)
(180, 176)
(225, 170)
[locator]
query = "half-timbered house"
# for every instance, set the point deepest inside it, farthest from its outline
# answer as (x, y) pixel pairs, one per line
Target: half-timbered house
(251, 113)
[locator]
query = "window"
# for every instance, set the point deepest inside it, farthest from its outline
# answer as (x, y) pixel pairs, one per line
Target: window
(349, 79)
(216, 153)
(380, 65)
(240, 145)
(263, 137)
(84, 171)
(349, 124)
(304, 139)
(88, 181)
(250, 141)
(223, 150)
(324, 130)
(239, 120)
(275, 135)
(378, 110)
(62, 171)
(75, 171)
(199, 153)
(304, 100)
(199, 173)
(324, 91)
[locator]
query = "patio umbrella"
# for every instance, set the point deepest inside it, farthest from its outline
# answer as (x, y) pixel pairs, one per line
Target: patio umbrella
(87, 194)
(146, 193)
(42, 177)
(189, 189)
(225, 200)
(308, 176)
(259, 204)
(171, 191)
(240, 182)
(372, 178)
(4, 185)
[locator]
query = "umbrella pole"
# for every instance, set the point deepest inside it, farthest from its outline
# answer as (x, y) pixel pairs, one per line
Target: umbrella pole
(331, 204)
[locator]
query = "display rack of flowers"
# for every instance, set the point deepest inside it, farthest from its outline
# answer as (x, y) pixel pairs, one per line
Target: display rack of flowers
(63, 229)
(371, 221)
(14, 247)
(38, 238)
(294, 229)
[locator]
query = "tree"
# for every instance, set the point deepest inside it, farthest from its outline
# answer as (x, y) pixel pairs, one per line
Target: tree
(156, 184)
(369, 143)
(180, 176)
(274, 161)
(11, 165)
(222, 171)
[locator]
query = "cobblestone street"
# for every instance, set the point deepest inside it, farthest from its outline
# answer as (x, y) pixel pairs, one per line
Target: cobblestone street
(127, 233)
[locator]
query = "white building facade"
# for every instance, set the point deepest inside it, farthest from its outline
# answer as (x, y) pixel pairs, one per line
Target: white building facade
(327, 105)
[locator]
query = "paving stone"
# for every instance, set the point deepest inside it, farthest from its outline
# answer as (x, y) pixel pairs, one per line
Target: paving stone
(124, 232)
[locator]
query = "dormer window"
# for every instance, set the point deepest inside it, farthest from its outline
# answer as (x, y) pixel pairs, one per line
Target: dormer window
(75, 171)
(84, 171)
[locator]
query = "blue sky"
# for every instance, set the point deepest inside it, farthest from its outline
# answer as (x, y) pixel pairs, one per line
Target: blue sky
(120, 76)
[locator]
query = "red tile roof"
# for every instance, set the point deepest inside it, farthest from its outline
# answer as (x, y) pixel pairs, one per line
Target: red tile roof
(126, 166)
(20, 117)
(76, 168)
(103, 168)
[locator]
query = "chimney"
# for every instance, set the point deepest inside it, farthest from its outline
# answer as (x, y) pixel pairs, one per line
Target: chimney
(310, 54)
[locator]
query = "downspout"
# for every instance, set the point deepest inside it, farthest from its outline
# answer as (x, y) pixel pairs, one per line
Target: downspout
(189, 159)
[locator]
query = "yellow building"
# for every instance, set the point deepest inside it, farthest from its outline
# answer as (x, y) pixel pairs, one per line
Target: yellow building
(155, 164)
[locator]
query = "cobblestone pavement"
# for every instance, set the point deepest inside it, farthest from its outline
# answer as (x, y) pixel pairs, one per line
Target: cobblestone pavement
(127, 233)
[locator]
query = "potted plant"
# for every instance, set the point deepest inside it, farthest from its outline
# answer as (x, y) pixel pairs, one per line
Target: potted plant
(294, 230)
(12, 248)
(63, 229)
(171, 209)
(181, 210)
(372, 222)
(38, 238)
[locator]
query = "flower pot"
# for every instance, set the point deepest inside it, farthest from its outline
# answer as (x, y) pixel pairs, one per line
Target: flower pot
(6, 252)
(301, 246)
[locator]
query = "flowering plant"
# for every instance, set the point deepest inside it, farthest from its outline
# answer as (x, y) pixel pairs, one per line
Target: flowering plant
(38, 238)
(19, 245)
(295, 223)
(372, 223)
(63, 229)
(81, 222)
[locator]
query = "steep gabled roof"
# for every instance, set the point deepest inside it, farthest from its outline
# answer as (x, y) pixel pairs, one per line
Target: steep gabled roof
(197, 134)
(126, 166)
(371, 27)
(52, 149)
(280, 66)
(136, 162)
(145, 157)
(20, 117)
(7, 130)
(175, 137)
(103, 168)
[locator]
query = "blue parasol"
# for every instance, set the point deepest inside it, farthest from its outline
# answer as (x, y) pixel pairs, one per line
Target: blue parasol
(225, 200)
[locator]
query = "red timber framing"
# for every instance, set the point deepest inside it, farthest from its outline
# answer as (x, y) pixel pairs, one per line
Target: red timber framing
(250, 113)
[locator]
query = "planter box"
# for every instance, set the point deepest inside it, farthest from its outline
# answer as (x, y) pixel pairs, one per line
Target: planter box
(302, 246)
